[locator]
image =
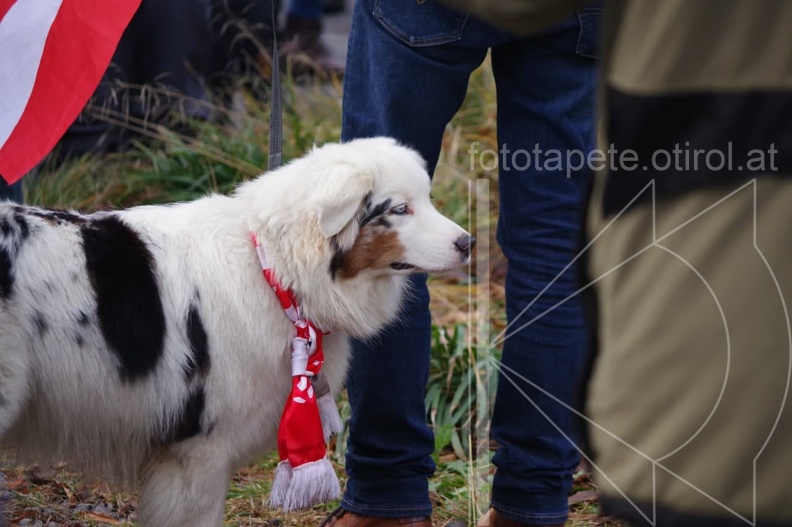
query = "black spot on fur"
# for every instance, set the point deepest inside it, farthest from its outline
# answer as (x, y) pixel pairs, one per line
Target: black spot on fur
(6, 274)
(83, 319)
(5, 227)
(69, 217)
(24, 228)
(40, 322)
(373, 213)
(128, 304)
(189, 423)
(58, 216)
(198, 362)
(79, 339)
(338, 258)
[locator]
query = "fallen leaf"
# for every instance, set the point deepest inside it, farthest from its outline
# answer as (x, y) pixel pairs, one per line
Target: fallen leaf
(17, 484)
(95, 516)
(68, 493)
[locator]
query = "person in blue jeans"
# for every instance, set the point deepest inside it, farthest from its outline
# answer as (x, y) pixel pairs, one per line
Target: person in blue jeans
(407, 73)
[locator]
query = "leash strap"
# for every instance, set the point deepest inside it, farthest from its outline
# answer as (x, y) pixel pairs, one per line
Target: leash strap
(276, 121)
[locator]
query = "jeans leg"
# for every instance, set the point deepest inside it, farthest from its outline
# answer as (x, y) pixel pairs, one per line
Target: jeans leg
(390, 445)
(410, 93)
(407, 92)
(546, 98)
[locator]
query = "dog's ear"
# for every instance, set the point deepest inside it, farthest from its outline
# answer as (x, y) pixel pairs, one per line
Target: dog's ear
(338, 208)
(334, 217)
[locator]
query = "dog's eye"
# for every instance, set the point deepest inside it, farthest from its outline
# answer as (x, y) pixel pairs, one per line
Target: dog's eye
(401, 209)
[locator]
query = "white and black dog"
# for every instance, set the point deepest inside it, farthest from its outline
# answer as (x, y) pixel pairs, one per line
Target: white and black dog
(144, 344)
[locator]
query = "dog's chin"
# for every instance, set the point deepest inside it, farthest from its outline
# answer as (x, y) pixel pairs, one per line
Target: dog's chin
(405, 268)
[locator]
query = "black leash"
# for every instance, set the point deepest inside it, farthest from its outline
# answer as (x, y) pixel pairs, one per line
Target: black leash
(276, 121)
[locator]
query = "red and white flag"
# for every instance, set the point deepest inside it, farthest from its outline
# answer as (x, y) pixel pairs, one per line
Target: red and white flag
(53, 54)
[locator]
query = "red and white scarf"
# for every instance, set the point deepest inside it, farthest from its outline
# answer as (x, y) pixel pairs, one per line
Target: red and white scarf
(304, 475)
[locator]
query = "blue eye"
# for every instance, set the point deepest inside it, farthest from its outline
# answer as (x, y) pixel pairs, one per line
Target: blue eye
(400, 209)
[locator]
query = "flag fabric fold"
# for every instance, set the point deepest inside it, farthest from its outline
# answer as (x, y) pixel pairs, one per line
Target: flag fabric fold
(53, 53)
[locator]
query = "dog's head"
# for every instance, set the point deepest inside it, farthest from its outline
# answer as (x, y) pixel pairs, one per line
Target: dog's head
(369, 200)
(380, 218)
(346, 223)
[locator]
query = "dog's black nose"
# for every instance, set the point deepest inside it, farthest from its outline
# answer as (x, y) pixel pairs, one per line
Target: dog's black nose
(465, 244)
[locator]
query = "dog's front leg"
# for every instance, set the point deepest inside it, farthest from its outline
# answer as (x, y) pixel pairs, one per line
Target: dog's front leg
(184, 486)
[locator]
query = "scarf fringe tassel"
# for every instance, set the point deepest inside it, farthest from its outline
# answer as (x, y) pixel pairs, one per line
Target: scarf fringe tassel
(328, 412)
(304, 486)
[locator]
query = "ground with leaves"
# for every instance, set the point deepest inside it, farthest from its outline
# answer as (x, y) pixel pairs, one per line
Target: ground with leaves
(55, 497)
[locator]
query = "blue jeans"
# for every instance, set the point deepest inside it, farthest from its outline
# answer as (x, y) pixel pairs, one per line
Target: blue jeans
(407, 73)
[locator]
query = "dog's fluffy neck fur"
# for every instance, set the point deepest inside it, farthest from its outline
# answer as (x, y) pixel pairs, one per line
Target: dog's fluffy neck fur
(354, 306)
(360, 306)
